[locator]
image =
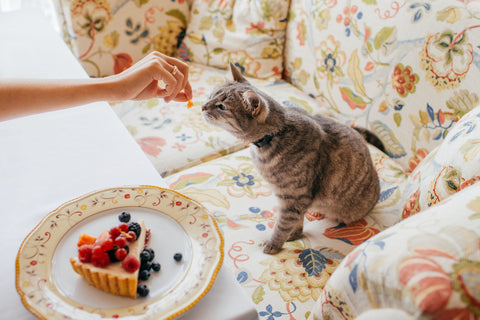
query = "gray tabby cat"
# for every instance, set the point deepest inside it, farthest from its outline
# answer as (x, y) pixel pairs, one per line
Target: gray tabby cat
(311, 162)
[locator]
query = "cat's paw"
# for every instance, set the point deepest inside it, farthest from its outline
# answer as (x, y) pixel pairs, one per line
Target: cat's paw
(270, 248)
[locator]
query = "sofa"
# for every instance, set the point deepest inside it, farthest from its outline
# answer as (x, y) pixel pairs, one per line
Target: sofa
(407, 70)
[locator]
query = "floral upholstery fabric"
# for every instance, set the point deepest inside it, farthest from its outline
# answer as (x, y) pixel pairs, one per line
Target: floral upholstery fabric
(434, 272)
(108, 36)
(249, 33)
(288, 283)
(449, 168)
(174, 137)
(406, 70)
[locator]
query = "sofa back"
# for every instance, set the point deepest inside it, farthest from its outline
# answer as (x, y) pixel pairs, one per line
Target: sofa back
(406, 70)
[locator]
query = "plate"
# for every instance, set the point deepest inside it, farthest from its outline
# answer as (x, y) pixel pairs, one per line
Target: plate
(50, 289)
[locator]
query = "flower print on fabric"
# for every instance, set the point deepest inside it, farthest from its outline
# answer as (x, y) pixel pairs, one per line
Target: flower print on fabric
(243, 181)
(446, 58)
(404, 80)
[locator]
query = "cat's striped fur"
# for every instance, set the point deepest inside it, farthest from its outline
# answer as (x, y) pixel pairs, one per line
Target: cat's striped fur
(311, 162)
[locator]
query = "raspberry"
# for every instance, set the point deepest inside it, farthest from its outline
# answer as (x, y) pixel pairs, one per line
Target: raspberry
(107, 245)
(100, 260)
(130, 263)
(115, 232)
(123, 227)
(131, 236)
(97, 250)
(121, 241)
(85, 253)
(120, 254)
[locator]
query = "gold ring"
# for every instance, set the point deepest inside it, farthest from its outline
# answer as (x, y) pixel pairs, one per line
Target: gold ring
(175, 70)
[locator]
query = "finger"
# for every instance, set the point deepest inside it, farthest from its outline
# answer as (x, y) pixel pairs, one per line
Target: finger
(188, 91)
(181, 97)
(176, 86)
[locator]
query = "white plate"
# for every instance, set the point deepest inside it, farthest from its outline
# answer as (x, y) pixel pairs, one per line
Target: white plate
(50, 289)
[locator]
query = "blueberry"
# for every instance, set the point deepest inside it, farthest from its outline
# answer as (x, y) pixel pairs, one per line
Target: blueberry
(124, 217)
(145, 255)
(145, 265)
(152, 253)
(177, 257)
(156, 266)
(142, 290)
(144, 275)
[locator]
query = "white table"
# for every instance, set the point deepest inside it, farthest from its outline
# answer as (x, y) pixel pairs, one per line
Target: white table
(50, 158)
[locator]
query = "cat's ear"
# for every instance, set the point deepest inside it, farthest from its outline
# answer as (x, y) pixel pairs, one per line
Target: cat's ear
(236, 73)
(256, 105)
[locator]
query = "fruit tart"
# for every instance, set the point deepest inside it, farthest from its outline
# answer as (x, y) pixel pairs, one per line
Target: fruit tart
(111, 262)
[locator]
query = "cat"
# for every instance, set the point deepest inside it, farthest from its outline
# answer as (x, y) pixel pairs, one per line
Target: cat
(311, 161)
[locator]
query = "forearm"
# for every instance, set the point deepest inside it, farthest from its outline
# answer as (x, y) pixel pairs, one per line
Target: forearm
(21, 97)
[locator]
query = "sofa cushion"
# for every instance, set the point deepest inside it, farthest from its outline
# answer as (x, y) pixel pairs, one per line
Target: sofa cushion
(174, 137)
(406, 71)
(245, 208)
(249, 33)
(109, 36)
(427, 265)
(449, 168)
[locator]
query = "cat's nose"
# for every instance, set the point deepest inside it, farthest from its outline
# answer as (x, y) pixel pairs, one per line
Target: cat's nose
(204, 108)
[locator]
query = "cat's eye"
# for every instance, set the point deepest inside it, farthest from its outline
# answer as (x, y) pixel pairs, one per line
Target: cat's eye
(220, 106)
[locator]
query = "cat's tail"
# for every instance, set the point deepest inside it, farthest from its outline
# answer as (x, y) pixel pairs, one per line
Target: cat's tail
(371, 138)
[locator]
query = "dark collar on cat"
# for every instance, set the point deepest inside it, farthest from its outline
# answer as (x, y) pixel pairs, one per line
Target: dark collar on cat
(268, 138)
(264, 141)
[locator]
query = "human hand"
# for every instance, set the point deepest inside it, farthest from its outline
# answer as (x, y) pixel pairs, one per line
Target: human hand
(141, 81)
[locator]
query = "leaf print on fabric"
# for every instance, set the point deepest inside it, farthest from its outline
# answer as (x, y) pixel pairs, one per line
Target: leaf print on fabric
(354, 234)
(121, 62)
(287, 275)
(151, 145)
(392, 145)
(462, 102)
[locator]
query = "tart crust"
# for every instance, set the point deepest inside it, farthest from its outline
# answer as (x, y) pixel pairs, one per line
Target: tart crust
(113, 278)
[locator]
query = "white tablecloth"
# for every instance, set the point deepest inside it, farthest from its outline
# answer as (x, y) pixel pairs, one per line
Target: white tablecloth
(50, 158)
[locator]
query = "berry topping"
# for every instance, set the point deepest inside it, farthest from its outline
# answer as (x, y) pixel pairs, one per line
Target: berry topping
(131, 236)
(85, 253)
(142, 290)
(144, 275)
(145, 255)
(135, 227)
(107, 245)
(115, 232)
(177, 257)
(100, 259)
(130, 263)
(145, 265)
(85, 239)
(120, 254)
(121, 241)
(124, 217)
(156, 266)
(123, 227)
(152, 253)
